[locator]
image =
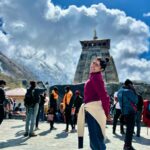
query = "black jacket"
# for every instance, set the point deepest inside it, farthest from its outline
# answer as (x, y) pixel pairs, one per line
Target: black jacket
(77, 103)
(140, 103)
(2, 95)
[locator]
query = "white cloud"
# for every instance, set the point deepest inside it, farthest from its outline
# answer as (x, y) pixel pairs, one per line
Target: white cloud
(51, 35)
(3, 39)
(146, 14)
(18, 26)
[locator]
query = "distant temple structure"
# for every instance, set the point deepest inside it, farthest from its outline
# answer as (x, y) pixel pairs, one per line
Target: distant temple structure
(90, 50)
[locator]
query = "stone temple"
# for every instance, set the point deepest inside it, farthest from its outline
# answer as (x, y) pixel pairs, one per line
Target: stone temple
(90, 50)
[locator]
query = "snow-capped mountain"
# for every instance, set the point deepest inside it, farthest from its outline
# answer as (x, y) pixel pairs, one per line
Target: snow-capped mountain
(31, 67)
(10, 68)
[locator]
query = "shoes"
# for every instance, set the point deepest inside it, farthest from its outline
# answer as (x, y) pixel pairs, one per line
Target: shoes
(132, 148)
(26, 134)
(32, 135)
(138, 135)
(122, 132)
(66, 130)
(128, 148)
(114, 132)
(73, 130)
(54, 128)
(37, 129)
(51, 129)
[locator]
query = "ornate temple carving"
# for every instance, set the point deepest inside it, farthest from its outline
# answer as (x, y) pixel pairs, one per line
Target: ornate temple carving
(90, 50)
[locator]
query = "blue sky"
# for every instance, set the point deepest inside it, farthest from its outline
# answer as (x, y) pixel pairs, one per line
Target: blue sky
(133, 8)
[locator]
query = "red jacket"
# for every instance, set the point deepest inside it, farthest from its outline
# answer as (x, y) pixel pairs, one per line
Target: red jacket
(146, 115)
(94, 90)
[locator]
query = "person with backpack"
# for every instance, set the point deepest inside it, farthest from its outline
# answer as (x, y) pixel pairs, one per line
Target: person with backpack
(2, 99)
(128, 99)
(31, 102)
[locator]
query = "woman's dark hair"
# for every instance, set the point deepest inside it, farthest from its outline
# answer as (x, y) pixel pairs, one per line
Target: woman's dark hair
(67, 88)
(103, 63)
(55, 88)
(128, 82)
(32, 83)
(2, 82)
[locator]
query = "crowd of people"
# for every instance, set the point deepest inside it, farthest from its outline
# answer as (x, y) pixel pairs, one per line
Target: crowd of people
(93, 106)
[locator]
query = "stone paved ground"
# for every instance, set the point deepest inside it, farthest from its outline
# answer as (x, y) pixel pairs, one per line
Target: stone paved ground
(11, 138)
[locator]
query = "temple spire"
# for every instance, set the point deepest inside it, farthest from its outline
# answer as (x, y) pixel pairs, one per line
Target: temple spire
(95, 35)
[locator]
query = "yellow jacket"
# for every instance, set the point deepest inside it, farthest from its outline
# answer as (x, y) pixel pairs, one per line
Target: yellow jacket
(67, 97)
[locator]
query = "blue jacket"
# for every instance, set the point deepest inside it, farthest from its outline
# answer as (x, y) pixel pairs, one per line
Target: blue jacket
(125, 98)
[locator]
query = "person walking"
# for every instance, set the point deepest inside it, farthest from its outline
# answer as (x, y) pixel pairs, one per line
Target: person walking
(2, 99)
(95, 108)
(128, 99)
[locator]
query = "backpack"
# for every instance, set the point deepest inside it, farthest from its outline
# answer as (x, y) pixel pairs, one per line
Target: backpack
(29, 99)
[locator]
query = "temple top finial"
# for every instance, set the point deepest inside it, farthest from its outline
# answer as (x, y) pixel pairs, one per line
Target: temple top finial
(95, 35)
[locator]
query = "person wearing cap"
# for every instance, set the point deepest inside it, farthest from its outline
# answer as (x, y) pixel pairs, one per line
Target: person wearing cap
(128, 99)
(96, 107)
(2, 99)
(76, 105)
(67, 101)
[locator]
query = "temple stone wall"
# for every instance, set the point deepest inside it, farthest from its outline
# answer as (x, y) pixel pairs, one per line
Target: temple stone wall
(90, 50)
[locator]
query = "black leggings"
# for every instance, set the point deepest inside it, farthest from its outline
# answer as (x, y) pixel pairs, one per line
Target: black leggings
(115, 120)
(51, 124)
(68, 118)
(1, 113)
